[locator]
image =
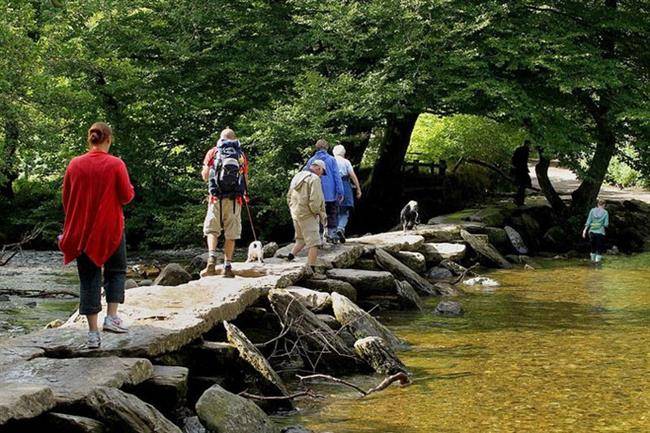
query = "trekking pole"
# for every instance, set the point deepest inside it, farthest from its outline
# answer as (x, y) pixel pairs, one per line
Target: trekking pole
(250, 218)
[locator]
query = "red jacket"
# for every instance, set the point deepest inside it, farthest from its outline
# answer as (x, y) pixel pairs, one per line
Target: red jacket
(95, 187)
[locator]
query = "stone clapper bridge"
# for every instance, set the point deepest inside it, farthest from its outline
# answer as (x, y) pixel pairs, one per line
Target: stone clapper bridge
(51, 369)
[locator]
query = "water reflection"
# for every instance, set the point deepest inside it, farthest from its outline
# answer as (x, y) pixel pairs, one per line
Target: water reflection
(562, 348)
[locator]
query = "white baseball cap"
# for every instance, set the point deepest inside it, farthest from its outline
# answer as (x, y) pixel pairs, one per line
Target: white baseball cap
(320, 163)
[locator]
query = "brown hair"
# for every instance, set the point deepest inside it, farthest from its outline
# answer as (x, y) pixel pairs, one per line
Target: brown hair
(322, 144)
(601, 202)
(99, 134)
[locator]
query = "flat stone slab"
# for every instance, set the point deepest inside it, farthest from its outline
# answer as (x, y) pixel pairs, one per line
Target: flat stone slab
(71, 380)
(366, 282)
(337, 256)
(24, 400)
(438, 232)
(391, 241)
(439, 251)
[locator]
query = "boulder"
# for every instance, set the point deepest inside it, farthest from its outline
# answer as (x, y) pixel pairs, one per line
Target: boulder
(379, 356)
(555, 239)
(403, 272)
(360, 323)
(166, 389)
(366, 282)
(269, 250)
(273, 385)
(448, 290)
(130, 284)
(173, 275)
(434, 253)
(408, 297)
(366, 265)
(24, 400)
(516, 240)
(73, 423)
(491, 216)
(413, 260)
(438, 273)
(126, 412)
(314, 300)
(391, 241)
(192, 424)
(223, 412)
(485, 250)
(499, 238)
(449, 308)
(331, 286)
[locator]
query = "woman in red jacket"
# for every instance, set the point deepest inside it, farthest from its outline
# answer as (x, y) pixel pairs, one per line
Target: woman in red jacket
(95, 187)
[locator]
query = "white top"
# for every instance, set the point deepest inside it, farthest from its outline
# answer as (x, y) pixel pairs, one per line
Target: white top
(345, 166)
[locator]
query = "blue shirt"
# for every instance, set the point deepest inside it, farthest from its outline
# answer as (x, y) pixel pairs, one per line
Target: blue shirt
(331, 181)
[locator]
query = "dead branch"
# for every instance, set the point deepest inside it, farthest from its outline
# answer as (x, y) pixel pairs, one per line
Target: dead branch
(305, 393)
(400, 377)
(462, 276)
(33, 293)
(9, 251)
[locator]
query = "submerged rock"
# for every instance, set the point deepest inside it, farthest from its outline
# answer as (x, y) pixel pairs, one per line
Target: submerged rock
(438, 273)
(221, 411)
(173, 275)
(449, 308)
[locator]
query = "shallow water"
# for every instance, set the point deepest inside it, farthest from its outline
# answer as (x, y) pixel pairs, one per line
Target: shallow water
(563, 348)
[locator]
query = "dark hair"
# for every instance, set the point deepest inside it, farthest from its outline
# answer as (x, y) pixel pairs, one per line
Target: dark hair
(99, 133)
(322, 144)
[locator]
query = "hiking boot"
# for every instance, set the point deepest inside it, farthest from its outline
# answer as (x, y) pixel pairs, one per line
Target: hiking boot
(114, 324)
(290, 257)
(341, 235)
(94, 340)
(209, 270)
(227, 272)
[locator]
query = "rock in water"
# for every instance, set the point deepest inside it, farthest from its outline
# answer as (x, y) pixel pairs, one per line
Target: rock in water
(413, 260)
(485, 250)
(269, 250)
(173, 275)
(403, 272)
(408, 297)
(73, 423)
(481, 281)
(223, 412)
(249, 353)
(437, 252)
(449, 308)
(516, 240)
(331, 286)
(360, 322)
(366, 282)
(438, 273)
(126, 412)
(379, 356)
(312, 299)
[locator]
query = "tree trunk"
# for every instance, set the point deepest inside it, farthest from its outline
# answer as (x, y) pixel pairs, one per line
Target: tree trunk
(356, 140)
(541, 169)
(383, 197)
(10, 174)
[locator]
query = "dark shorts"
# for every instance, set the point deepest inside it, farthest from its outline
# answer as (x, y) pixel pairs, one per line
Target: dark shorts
(90, 278)
(597, 243)
(332, 210)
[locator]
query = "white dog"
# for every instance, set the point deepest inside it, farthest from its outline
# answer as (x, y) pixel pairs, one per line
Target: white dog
(255, 252)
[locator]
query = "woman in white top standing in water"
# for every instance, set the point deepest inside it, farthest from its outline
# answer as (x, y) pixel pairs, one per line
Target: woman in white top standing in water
(347, 174)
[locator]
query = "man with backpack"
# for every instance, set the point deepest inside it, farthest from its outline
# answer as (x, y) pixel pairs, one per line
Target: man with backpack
(332, 189)
(225, 168)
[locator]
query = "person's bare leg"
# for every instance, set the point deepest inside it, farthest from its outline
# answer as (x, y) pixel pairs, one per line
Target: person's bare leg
(92, 322)
(312, 256)
(212, 255)
(299, 245)
(112, 309)
(228, 251)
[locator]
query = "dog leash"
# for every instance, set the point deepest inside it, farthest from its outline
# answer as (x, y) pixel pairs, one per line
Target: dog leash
(250, 218)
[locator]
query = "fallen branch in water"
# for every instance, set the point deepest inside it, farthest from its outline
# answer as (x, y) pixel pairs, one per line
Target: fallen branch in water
(464, 273)
(9, 251)
(305, 393)
(35, 293)
(400, 377)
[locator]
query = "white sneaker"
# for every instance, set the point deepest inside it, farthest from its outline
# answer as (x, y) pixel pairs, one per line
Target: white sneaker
(114, 324)
(94, 340)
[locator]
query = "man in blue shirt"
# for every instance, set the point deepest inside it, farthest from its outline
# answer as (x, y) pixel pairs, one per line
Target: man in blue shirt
(332, 187)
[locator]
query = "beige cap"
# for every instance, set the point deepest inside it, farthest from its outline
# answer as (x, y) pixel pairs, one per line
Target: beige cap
(320, 163)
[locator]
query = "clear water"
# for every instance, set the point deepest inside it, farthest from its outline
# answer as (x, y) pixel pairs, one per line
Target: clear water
(564, 348)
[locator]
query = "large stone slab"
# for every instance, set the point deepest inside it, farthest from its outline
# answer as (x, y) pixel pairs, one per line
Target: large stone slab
(413, 260)
(391, 241)
(366, 282)
(439, 251)
(439, 232)
(71, 380)
(24, 400)
(312, 299)
(337, 256)
(10, 353)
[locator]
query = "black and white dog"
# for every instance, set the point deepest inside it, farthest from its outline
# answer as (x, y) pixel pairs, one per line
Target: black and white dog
(255, 253)
(409, 216)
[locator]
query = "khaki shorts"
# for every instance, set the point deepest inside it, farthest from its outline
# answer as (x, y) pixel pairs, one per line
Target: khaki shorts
(307, 231)
(230, 215)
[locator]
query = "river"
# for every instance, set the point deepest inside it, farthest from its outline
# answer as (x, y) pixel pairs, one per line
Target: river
(563, 348)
